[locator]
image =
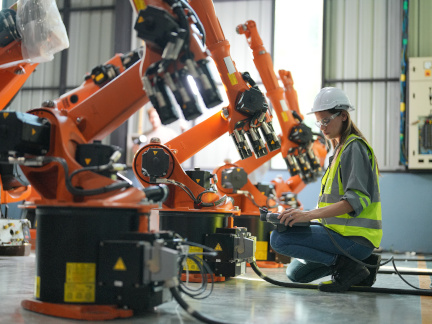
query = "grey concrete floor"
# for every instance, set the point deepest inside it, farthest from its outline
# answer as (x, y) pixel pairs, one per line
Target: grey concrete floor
(244, 299)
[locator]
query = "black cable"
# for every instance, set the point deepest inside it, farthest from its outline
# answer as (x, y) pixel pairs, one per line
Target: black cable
(84, 192)
(177, 8)
(198, 21)
(412, 259)
(255, 268)
(183, 287)
(190, 310)
(96, 168)
(197, 200)
(420, 291)
(416, 292)
(364, 264)
(204, 269)
(297, 116)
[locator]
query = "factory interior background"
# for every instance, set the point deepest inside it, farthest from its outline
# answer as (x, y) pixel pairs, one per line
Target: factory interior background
(378, 51)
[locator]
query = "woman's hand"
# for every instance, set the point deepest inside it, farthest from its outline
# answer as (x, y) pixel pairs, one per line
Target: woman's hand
(291, 216)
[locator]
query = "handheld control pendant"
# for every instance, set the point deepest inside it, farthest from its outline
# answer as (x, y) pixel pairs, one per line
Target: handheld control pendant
(267, 216)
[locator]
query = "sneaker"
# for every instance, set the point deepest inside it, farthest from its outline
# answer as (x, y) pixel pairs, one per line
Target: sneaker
(370, 280)
(346, 273)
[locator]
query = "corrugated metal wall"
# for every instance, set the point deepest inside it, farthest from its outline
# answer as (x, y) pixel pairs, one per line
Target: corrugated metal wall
(91, 38)
(362, 42)
(419, 28)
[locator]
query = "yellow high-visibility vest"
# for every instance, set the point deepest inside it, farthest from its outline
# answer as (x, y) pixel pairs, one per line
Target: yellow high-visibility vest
(369, 223)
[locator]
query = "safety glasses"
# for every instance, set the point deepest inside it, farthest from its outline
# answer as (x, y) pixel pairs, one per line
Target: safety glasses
(324, 122)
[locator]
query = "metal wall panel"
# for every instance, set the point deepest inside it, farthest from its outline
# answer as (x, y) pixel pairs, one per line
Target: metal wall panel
(420, 26)
(92, 3)
(91, 43)
(363, 41)
(233, 13)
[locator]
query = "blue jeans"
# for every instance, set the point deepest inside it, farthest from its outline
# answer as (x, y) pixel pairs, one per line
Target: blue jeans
(314, 249)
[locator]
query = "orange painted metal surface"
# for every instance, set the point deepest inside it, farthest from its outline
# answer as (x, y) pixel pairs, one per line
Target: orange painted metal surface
(12, 79)
(87, 88)
(92, 119)
(290, 93)
(78, 312)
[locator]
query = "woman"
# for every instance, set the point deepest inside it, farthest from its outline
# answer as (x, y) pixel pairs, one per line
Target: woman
(349, 207)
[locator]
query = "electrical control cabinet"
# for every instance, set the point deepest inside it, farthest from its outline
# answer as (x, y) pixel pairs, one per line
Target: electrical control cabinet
(420, 113)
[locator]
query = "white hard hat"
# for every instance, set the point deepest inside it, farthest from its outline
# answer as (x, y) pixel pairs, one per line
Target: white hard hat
(329, 98)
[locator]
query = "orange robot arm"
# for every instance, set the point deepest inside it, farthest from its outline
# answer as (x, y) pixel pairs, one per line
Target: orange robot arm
(290, 93)
(58, 135)
(93, 81)
(294, 134)
(290, 123)
(245, 114)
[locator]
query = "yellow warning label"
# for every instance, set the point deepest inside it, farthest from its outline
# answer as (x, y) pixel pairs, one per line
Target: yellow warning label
(218, 247)
(155, 152)
(140, 20)
(261, 250)
(284, 116)
(191, 265)
(33, 131)
(80, 283)
(5, 115)
(80, 272)
(197, 180)
(87, 161)
(232, 79)
(119, 266)
(140, 4)
(37, 287)
(238, 169)
(79, 293)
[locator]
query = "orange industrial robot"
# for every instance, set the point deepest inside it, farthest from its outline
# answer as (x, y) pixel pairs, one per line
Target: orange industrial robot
(95, 257)
(194, 208)
(303, 154)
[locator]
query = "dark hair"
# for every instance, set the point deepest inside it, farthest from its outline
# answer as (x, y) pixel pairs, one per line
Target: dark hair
(348, 128)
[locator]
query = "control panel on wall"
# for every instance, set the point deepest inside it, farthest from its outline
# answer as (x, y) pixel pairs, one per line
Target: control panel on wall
(420, 113)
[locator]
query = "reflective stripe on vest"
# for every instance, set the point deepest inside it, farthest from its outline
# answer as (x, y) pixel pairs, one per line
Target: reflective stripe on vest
(368, 224)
